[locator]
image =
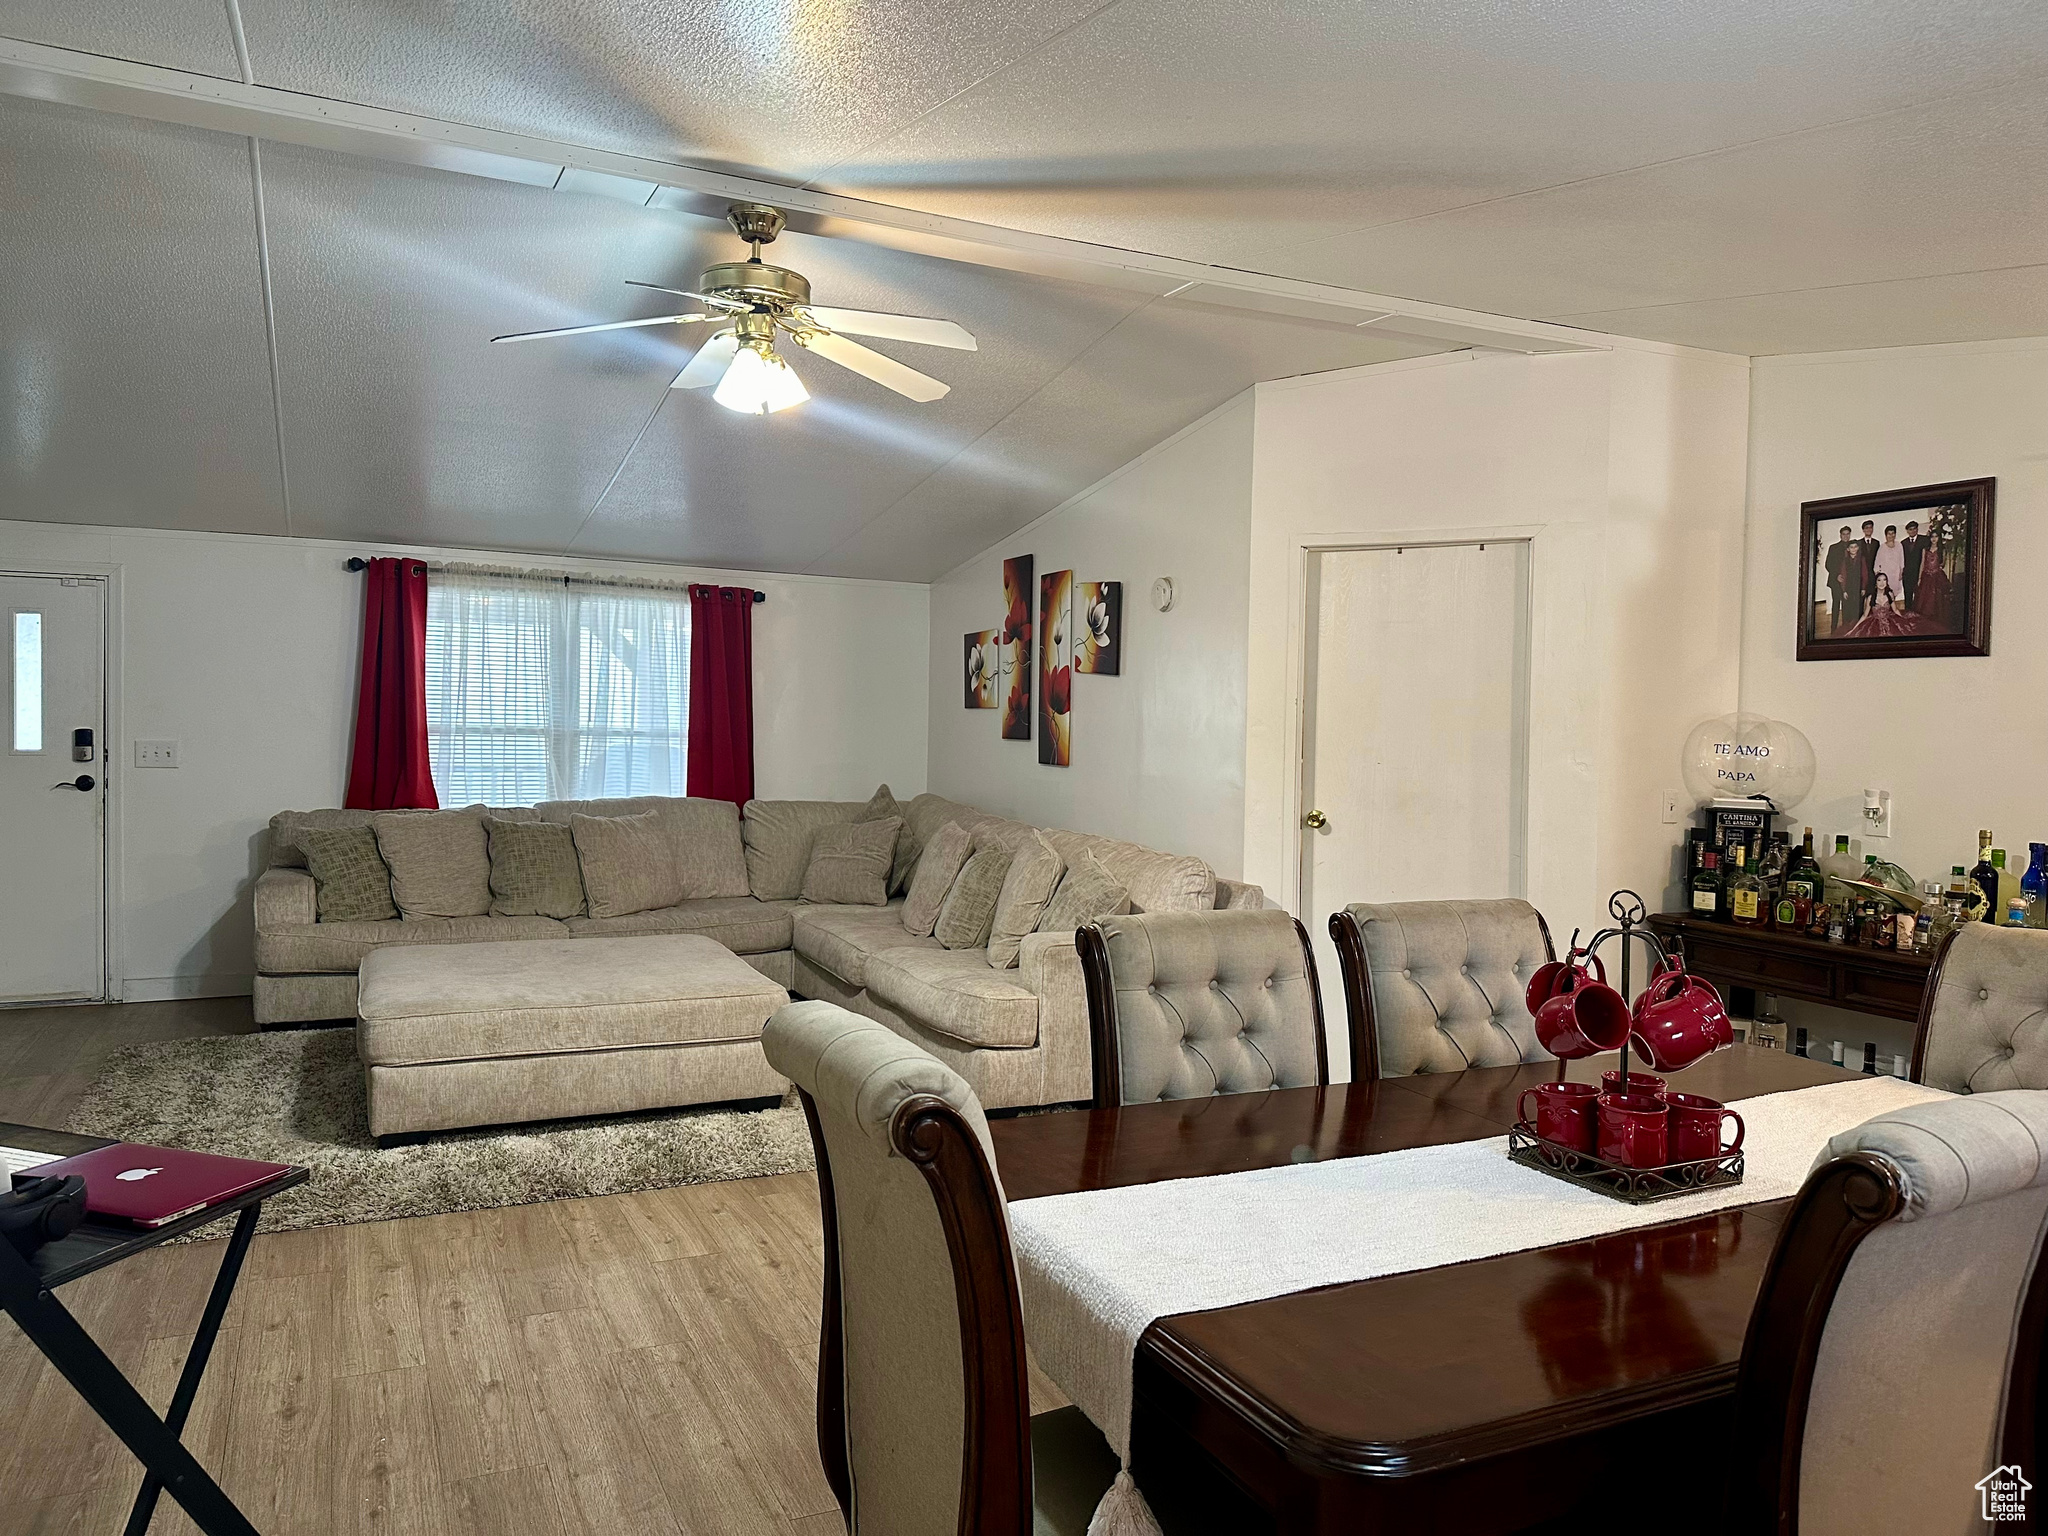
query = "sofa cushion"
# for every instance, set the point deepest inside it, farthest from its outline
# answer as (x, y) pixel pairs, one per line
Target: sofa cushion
(534, 871)
(304, 949)
(440, 864)
(850, 863)
(628, 863)
(1158, 882)
(903, 860)
(970, 906)
(956, 993)
(840, 939)
(706, 836)
(1033, 875)
(1087, 891)
(474, 1001)
(284, 850)
(938, 866)
(927, 813)
(743, 925)
(354, 884)
(777, 834)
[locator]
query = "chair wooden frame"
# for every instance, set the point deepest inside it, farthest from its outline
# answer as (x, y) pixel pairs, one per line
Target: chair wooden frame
(1841, 1204)
(1923, 1025)
(1093, 950)
(1357, 973)
(995, 1470)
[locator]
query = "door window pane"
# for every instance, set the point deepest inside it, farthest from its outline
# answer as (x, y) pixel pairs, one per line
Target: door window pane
(28, 682)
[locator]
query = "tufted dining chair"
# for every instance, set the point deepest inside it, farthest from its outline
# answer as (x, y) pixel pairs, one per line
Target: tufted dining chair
(1984, 1013)
(924, 1417)
(1437, 986)
(1894, 1353)
(1182, 1005)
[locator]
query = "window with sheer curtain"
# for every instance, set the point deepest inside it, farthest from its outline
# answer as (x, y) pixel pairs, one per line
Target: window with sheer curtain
(542, 688)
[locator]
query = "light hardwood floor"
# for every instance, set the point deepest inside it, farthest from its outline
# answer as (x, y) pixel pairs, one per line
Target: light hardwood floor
(639, 1364)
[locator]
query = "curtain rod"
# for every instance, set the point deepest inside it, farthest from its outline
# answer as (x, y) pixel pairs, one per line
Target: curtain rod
(358, 563)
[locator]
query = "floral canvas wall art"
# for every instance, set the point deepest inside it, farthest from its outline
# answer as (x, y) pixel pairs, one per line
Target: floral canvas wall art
(983, 669)
(1014, 645)
(1055, 667)
(1099, 627)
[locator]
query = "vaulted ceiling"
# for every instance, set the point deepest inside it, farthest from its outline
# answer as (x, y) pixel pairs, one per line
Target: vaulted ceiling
(256, 331)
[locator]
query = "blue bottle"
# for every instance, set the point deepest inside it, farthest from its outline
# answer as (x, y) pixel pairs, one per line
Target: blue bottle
(2034, 885)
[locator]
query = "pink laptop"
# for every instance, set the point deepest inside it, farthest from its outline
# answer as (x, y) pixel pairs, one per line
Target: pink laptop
(152, 1185)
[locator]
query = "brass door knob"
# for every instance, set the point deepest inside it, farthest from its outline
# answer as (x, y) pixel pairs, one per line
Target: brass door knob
(1315, 821)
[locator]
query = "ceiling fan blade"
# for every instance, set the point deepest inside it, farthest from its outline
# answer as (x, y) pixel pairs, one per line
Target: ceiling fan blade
(867, 322)
(885, 371)
(709, 365)
(715, 300)
(611, 325)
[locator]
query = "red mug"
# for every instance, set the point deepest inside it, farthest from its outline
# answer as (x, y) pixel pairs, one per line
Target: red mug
(1696, 1123)
(1638, 1082)
(1564, 1113)
(1634, 1131)
(1678, 1020)
(1543, 983)
(1582, 1017)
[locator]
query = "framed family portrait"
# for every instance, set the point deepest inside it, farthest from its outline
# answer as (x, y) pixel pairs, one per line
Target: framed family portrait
(1896, 573)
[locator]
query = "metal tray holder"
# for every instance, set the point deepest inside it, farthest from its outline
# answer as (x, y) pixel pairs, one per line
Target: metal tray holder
(1636, 1186)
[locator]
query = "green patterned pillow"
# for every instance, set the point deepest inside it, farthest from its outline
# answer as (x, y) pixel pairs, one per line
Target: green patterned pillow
(534, 871)
(970, 907)
(354, 884)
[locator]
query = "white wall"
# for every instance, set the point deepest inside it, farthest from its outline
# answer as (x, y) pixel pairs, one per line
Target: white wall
(1625, 469)
(244, 651)
(1158, 751)
(1959, 741)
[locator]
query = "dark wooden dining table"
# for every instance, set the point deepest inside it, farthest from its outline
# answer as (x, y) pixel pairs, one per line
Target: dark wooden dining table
(1579, 1388)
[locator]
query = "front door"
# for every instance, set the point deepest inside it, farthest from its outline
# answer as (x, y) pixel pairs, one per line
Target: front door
(1415, 733)
(53, 793)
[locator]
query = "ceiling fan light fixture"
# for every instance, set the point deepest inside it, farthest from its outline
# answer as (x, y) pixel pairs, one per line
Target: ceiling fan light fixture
(759, 382)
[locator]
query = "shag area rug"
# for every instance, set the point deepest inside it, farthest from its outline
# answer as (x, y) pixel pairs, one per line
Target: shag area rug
(296, 1096)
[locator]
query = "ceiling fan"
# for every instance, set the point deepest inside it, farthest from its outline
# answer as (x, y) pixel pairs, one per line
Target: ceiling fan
(750, 301)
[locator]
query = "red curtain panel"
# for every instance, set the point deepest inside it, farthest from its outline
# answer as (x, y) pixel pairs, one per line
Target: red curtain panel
(721, 764)
(389, 770)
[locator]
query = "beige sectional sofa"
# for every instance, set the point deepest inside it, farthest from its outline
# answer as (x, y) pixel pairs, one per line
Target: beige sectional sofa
(1020, 1036)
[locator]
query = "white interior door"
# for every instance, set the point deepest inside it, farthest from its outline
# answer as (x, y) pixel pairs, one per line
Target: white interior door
(53, 900)
(1415, 730)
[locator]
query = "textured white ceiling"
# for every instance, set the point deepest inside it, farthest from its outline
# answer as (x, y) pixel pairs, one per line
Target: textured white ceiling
(1749, 175)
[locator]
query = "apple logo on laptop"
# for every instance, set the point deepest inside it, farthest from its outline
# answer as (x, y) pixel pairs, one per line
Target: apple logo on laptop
(136, 1175)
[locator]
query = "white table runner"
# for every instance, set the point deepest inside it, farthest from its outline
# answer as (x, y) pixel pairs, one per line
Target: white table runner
(1096, 1268)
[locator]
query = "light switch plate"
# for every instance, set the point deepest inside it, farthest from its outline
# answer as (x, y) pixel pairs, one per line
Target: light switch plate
(1671, 802)
(156, 754)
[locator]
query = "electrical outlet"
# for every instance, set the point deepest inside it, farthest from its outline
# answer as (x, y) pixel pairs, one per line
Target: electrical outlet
(1877, 813)
(1671, 803)
(156, 754)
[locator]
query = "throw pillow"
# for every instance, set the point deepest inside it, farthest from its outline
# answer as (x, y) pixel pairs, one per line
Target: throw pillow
(937, 868)
(440, 864)
(1087, 891)
(850, 863)
(882, 805)
(970, 906)
(628, 863)
(534, 872)
(1028, 885)
(354, 886)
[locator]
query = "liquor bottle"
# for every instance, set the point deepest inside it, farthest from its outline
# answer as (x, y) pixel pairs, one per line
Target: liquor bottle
(1960, 895)
(1706, 887)
(2008, 882)
(1985, 876)
(1745, 894)
(1905, 926)
(1839, 866)
(1799, 1042)
(1870, 1058)
(2034, 885)
(1933, 926)
(1804, 876)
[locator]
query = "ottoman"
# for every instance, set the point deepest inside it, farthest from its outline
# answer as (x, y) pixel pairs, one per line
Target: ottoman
(538, 1029)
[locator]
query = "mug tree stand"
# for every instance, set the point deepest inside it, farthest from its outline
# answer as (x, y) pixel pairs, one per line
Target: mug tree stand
(1620, 1181)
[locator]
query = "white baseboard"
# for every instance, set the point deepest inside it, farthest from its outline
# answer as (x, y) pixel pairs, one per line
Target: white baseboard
(163, 989)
